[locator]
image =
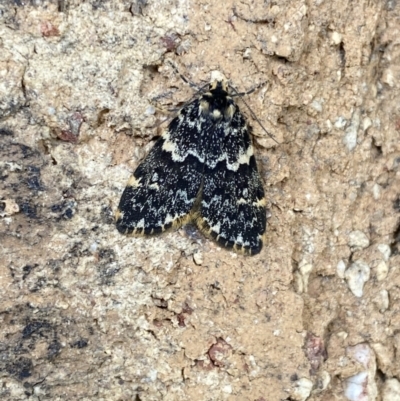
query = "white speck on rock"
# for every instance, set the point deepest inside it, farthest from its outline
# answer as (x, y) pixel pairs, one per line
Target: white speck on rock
(340, 123)
(298, 282)
(150, 110)
(384, 250)
(10, 207)
(384, 356)
(323, 380)
(327, 125)
(355, 386)
(340, 269)
(302, 389)
(227, 389)
(61, 304)
(255, 369)
(350, 136)
(11, 166)
(247, 53)
(356, 276)
(336, 38)
(361, 353)
(391, 390)
(305, 271)
(366, 123)
(382, 270)
(376, 191)
(382, 300)
(93, 247)
(198, 258)
(316, 104)
(388, 77)
(362, 386)
(358, 240)
(152, 376)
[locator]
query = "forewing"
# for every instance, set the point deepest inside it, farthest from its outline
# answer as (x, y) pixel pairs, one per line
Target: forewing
(232, 208)
(163, 189)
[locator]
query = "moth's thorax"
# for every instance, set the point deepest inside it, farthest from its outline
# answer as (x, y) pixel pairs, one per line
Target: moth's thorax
(217, 104)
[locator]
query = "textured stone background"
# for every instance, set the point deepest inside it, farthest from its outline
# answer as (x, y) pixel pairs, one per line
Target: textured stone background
(91, 315)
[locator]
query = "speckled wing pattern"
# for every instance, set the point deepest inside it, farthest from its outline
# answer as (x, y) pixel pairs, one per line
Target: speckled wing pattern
(202, 169)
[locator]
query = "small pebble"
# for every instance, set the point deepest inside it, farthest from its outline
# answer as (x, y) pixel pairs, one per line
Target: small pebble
(382, 270)
(358, 240)
(150, 110)
(323, 380)
(356, 387)
(366, 123)
(376, 191)
(391, 390)
(362, 386)
(350, 136)
(388, 77)
(10, 207)
(227, 389)
(198, 258)
(305, 270)
(316, 104)
(357, 275)
(336, 38)
(384, 249)
(302, 389)
(340, 269)
(340, 123)
(247, 53)
(384, 355)
(382, 301)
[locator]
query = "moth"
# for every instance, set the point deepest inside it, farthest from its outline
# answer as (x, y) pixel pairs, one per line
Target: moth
(202, 170)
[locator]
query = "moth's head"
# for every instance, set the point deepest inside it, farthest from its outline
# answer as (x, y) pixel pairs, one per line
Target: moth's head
(218, 83)
(216, 104)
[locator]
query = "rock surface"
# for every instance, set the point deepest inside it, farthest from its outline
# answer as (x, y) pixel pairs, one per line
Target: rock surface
(86, 313)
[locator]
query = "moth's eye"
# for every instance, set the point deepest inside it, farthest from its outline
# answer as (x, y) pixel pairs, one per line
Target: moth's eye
(154, 178)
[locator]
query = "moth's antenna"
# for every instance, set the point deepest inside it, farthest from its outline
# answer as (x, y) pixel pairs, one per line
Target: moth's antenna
(241, 94)
(247, 92)
(189, 82)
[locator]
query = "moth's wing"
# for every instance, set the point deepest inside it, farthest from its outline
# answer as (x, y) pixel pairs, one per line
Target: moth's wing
(162, 191)
(233, 207)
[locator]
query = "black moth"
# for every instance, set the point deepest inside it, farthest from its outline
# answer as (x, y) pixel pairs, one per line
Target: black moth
(202, 169)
